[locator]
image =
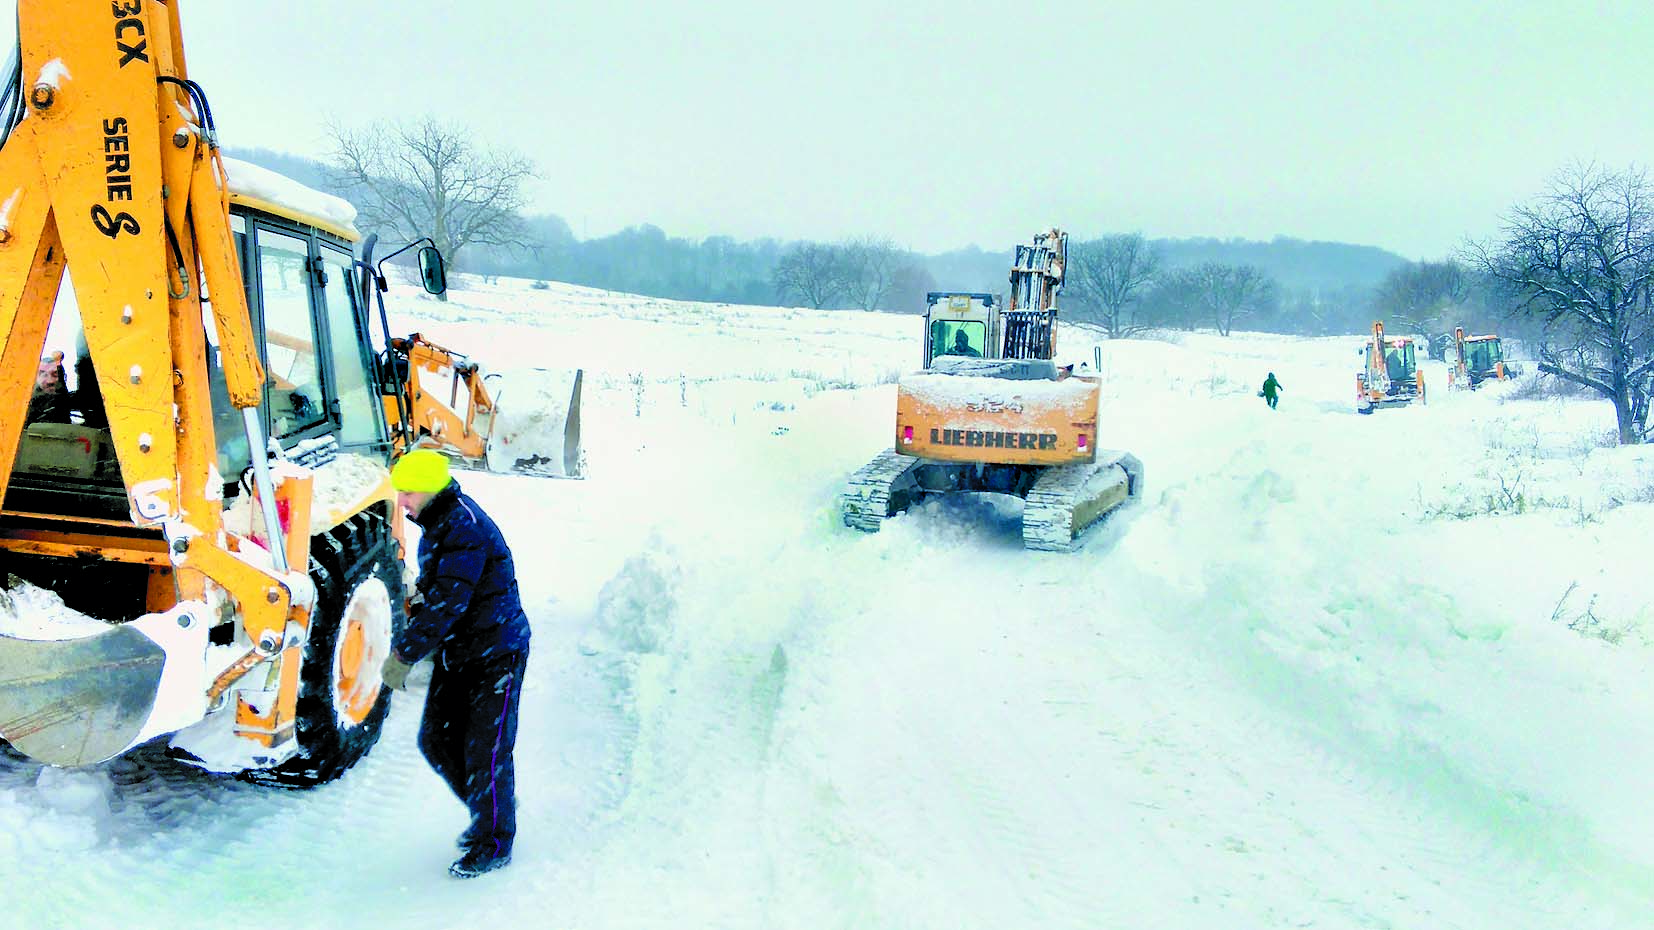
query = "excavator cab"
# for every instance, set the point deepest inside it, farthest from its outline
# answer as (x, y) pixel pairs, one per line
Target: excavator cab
(314, 351)
(960, 325)
(1484, 354)
(1400, 361)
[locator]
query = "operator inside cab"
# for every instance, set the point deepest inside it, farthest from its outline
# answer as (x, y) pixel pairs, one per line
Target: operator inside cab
(50, 401)
(961, 339)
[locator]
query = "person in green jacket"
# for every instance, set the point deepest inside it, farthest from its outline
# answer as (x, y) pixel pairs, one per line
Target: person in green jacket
(1271, 390)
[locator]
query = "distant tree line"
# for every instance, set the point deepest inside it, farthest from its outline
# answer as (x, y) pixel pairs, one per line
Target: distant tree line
(1572, 271)
(430, 178)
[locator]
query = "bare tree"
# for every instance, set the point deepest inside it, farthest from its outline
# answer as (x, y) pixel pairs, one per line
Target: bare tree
(811, 272)
(430, 179)
(1109, 276)
(912, 282)
(1581, 257)
(1174, 300)
(1226, 294)
(869, 266)
(1421, 296)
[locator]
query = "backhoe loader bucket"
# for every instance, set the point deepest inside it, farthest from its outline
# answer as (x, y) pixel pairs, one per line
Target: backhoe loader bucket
(536, 427)
(90, 698)
(524, 421)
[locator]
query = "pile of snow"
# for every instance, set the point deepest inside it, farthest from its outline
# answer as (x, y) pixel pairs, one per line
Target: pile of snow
(30, 612)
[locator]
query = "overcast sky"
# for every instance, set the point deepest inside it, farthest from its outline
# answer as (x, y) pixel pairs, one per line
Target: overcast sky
(1408, 124)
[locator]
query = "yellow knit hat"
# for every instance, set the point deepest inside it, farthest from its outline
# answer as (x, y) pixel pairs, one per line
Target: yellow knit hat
(422, 471)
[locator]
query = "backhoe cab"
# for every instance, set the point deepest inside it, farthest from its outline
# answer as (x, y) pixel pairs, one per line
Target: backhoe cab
(198, 536)
(1477, 359)
(1391, 377)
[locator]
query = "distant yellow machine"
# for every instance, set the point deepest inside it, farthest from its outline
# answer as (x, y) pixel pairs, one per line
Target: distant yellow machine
(1477, 359)
(1391, 377)
(991, 412)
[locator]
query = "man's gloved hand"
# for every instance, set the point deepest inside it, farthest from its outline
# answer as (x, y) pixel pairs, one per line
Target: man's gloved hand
(395, 672)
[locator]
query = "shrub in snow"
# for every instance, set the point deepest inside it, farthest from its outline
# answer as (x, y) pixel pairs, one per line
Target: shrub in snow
(1542, 387)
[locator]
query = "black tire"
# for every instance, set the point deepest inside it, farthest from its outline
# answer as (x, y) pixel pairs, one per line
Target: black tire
(343, 561)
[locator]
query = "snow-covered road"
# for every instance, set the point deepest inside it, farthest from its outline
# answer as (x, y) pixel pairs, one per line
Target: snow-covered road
(1286, 690)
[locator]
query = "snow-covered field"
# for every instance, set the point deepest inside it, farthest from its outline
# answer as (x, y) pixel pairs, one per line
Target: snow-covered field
(1332, 671)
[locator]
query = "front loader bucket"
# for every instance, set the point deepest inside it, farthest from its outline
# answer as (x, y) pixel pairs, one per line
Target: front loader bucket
(536, 429)
(84, 700)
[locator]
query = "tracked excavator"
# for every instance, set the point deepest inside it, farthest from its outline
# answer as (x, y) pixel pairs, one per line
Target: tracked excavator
(991, 412)
(1391, 376)
(198, 538)
(1477, 359)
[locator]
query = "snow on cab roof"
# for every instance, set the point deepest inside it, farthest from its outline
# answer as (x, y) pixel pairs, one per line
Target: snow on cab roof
(279, 194)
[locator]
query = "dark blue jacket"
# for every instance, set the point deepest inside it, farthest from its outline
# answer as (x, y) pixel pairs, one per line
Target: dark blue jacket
(467, 607)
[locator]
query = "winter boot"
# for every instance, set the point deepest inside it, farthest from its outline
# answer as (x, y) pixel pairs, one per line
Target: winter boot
(477, 860)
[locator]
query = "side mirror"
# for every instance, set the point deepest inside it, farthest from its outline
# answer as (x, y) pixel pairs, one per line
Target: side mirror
(431, 270)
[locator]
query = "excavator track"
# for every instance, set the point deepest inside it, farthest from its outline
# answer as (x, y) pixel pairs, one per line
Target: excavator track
(880, 489)
(1067, 500)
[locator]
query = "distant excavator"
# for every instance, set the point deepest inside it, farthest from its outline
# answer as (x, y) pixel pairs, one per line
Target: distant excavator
(1391, 377)
(991, 412)
(1477, 359)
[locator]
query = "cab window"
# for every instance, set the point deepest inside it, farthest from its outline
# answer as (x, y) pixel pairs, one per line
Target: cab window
(359, 401)
(292, 370)
(953, 337)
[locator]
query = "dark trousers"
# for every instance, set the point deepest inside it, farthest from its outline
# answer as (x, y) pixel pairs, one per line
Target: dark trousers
(1272, 399)
(467, 734)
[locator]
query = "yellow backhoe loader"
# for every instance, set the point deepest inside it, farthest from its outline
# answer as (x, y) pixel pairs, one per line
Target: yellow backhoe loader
(991, 412)
(198, 537)
(1391, 376)
(1476, 359)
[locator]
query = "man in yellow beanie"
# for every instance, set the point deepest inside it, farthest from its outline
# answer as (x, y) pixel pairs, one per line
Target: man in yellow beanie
(466, 614)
